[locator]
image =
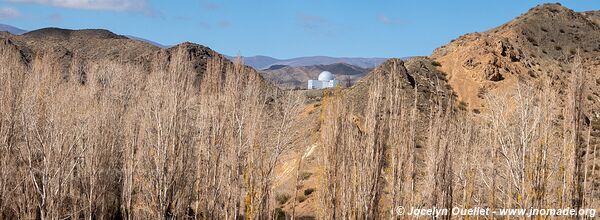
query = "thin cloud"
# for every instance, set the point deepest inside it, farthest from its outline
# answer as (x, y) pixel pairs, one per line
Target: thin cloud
(101, 5)
(205, 25)
(209, 6)
(318, 25)
(55, 17)
(223, 23)
(9, 13)
(389, 21)
(312, 22)
(385, 19)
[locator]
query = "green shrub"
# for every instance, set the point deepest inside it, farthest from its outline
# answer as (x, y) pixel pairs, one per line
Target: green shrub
(305, 175)
(282, 198)
(482, 92)
(572, 51)
(309, 191)
(462, 105)
(532, 41)
(596, 124)
(280, 214)
(301, 198)
(436, 63)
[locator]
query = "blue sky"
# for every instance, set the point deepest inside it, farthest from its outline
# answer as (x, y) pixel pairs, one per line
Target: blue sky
(280, 28)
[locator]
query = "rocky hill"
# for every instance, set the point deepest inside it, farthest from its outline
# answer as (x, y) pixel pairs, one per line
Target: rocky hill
(515, 90)
(73, 50)
(541, 42)
(290, 77)
(548, 45)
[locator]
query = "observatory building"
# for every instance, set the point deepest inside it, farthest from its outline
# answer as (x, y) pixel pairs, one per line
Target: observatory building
(325, 80)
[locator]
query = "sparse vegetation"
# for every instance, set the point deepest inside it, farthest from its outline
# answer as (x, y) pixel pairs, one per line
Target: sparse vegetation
(596, 124)
(462, 105)
(309, 191)
(280, 214)
(481, 93)
(282, 198)
(572, 51)
(532, 41)
(436, 63)
(301, 198)
(305, 175)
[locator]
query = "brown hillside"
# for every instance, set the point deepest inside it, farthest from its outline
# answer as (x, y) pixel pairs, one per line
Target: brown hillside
(71, 51)
(542, 41)
(593, 16)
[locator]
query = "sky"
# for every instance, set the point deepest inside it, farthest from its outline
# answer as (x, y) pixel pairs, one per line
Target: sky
(281, 28)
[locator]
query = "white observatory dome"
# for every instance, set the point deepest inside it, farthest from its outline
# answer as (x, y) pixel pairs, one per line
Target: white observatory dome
(325, 76)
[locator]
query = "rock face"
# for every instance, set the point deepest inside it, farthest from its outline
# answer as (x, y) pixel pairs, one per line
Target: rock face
(416, 73)
(542, 41)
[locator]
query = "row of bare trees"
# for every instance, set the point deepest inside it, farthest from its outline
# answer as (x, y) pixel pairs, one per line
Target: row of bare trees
(122, 142)
(528, 148)
(106, 140)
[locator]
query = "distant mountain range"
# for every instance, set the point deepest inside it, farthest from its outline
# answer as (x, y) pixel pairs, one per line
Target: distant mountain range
(11, 29)
(147, 41)
(265, 62)
(290, 77)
